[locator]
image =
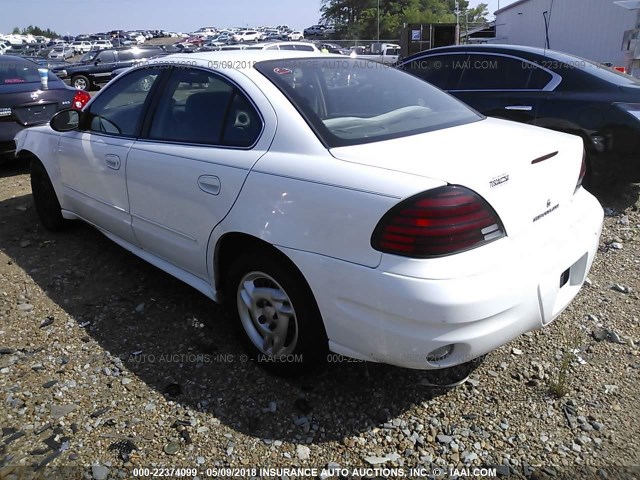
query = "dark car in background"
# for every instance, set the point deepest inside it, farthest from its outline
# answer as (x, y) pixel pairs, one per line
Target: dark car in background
(24, 102)
(548, 89)
(96, 70)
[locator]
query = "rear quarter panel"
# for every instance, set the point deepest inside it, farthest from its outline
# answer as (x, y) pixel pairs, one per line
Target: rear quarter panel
(42, 142)
(328, 207)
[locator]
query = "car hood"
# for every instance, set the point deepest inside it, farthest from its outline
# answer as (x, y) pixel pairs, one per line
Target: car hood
(68, 65)
(526, 173)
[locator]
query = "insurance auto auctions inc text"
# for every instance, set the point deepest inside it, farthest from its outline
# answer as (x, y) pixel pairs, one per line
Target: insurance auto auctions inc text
(362, 472)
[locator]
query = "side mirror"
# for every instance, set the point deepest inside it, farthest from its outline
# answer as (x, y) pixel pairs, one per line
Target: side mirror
(65, 120)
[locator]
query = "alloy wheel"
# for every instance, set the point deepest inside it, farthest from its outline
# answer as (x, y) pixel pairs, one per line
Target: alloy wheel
(267, 314)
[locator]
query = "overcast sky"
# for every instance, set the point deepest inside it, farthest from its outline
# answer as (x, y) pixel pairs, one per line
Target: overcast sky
(80, 16)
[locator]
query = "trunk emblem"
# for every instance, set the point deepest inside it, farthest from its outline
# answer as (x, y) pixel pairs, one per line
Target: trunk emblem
(34, 95)
(548, 211)
(499, 180)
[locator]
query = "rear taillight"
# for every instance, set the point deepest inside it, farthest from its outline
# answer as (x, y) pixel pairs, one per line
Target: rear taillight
(442, 221)
(80, 100)
(583, 171)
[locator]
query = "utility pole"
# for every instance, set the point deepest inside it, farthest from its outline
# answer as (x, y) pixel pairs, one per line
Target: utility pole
(378, 34)
(466, 26)
(457, 39)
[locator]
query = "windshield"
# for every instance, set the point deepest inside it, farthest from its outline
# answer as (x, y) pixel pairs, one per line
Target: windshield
(354, 101)
(87, 57)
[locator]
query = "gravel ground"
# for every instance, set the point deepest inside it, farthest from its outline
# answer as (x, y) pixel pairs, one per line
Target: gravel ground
(108, 364)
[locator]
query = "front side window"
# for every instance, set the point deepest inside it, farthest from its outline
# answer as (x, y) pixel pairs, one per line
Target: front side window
(443, 71)
(201, 107)
(495, 72)
(118, 110)
(354, 101)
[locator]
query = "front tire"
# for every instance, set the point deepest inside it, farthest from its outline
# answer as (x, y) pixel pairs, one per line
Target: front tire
(81, 82)
(45, 198)
(279, 318)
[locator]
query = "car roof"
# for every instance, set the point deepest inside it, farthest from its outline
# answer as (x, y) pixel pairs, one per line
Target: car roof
(237, 59)
(15, 59)
(577, 64)
(498, 48)
(268, 44)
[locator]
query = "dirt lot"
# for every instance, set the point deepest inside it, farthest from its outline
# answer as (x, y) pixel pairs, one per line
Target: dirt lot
(108, 364)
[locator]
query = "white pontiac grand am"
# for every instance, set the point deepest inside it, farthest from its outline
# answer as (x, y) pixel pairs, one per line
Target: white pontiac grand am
(334, 204)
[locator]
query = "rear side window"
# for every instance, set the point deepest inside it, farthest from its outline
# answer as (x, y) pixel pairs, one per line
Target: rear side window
(125, 56)
(148, 53)
(539, 79)
(203, 108)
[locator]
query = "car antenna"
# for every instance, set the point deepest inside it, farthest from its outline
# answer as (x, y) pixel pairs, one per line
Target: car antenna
(547, 21)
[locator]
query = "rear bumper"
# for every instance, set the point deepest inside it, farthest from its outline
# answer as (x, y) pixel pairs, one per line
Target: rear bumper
(8, 131)
(7, 148)
(401, 311)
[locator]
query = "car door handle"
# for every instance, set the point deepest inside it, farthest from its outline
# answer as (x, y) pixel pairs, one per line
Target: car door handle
(112, 161)
(209, 184)
(521, 108)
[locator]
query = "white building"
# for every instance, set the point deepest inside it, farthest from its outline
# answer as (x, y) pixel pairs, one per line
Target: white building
(593, 29)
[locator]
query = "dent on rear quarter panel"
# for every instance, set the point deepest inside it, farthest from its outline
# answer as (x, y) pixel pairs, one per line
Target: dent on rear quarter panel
(322, 205)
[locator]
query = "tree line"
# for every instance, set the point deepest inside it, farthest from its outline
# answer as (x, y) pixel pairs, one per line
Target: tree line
(359, 18)
(35, 31)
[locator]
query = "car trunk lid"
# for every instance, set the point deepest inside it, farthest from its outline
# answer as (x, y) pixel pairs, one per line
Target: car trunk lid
(526, 173)
(25, 104)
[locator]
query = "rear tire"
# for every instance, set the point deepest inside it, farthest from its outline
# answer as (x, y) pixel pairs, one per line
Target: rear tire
(278, 317)
(45, 198)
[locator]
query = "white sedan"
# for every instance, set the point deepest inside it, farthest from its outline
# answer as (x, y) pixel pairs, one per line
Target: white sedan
(296, 35)
(246, 36)
(333, 204)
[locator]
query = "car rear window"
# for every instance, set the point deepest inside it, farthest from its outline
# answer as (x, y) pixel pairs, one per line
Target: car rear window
(20, 71)
(355, 101)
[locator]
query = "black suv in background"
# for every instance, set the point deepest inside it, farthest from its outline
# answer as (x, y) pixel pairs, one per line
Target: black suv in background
(97, 70)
